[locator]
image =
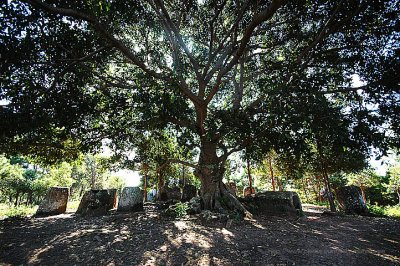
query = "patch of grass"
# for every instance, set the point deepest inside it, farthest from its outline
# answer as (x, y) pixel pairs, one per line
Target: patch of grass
(319, 203)
(20, 211)
(391, 211)
(181, 209)
(376, 210)
(73, 205)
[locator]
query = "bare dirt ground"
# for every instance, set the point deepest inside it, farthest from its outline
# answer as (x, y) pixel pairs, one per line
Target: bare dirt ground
(148, 238)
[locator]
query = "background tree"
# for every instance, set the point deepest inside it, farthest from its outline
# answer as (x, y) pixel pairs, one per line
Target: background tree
(18, 182)
(116, 182)
(162, 154)
(95, 168)
(394, 180)
(61, 175)
(364, 179)
(11, 180)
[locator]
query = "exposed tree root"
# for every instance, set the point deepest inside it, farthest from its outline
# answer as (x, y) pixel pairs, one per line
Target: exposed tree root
(220, 199)
(237, 204)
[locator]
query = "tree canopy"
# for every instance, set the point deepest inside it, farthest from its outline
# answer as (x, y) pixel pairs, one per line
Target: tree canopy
(222, 75)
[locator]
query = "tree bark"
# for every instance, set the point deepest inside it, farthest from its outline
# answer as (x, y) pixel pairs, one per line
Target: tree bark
(145, 188)
(183, 176)
(332, 205)
(326, 177)
(249, 176)
(362, 188)
(210, 173)
(16, 199)
(278, 181)
(305, 188)
(214, 193)
(160, 184)
(272, 174)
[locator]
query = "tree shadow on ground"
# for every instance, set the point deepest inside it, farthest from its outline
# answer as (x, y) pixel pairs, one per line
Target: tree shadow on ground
(148, 238)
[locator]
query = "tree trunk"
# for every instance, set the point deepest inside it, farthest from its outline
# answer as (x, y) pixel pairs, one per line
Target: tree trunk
(305, 189)
(145, 188)
(214, 193)
(93, 177)
(315, 188)
(272, 174)
(183, 176)
(278, 181)
(326, 177)
(332, 205)
(16, 199)
(362, 188)
(320, 199)
(210, 173)
(398, 195)
(31, 198)
(160, 184)
(249, 176)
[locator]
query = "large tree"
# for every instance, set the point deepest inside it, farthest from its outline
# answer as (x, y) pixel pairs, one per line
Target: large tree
(223, 75)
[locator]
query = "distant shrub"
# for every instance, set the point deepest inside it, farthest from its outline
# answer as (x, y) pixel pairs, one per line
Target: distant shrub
(181, 209)
(20, 211)
(73, 205)
(376, 210)
(391, 211)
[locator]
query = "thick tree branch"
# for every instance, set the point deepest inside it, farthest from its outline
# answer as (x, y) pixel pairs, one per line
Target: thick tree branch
(323, 32)
(348, 89)
(218, 11)
(178, 36)
(231, 33)
(248, 32)
(239, 87)
(100, 29)
(113, 41)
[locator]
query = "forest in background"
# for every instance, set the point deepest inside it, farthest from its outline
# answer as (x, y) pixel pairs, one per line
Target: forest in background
(23, 184)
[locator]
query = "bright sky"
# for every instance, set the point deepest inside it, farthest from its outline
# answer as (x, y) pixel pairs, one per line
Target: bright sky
(382, 165)
(379, 165)
(132, 178)
(4, 102)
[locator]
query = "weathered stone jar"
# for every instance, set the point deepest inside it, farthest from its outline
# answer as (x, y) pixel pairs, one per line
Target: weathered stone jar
(97, 202)
(55, 201)
(131, 199)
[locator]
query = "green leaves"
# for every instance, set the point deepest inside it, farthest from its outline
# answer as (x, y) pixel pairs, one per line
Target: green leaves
(129, 71)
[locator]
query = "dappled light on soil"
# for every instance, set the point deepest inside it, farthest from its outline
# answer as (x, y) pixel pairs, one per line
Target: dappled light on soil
(137, 239)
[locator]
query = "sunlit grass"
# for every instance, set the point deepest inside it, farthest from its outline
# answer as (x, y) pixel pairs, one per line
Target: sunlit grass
(72, 206)
(7, 210)
(391, 211)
